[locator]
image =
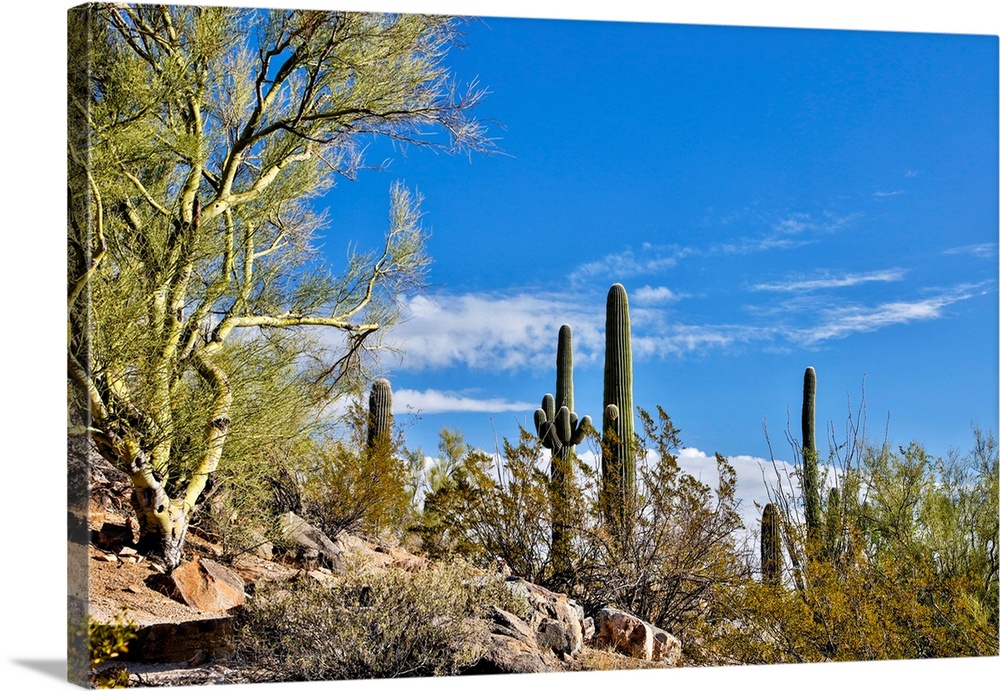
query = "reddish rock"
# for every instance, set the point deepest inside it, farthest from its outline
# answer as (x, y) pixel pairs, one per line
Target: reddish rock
(207, 585)
(666, 648)
(625, 633)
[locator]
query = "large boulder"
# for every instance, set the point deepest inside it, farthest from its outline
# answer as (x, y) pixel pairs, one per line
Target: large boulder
(666, 647)
(628, 634)
(207, 586)
(624, 633)
(557, 620)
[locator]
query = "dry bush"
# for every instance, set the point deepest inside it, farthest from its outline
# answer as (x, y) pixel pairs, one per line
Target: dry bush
(371, 624)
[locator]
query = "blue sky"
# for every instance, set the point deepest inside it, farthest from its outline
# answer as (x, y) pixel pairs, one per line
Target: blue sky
(770, 198)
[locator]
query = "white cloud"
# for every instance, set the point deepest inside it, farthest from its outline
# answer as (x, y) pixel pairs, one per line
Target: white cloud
(432, 401)
(658, 295)
(845, 281)
(754, 476)
(501, 332)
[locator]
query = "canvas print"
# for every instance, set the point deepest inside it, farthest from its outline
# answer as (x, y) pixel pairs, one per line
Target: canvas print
(405, 345)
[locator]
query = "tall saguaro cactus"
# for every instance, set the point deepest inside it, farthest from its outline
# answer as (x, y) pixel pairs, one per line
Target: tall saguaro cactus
(560, 429)
(770, 545)
(618, 457)
(810, 458)
(379, 414)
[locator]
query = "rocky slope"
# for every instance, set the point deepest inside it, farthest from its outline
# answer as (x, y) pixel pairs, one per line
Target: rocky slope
(185, 618)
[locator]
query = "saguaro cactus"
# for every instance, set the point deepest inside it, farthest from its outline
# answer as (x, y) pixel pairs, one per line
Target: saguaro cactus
(560, 429)
(810, 458)
(379, 414)
(770, 545)
(618, 457)
(833, 542)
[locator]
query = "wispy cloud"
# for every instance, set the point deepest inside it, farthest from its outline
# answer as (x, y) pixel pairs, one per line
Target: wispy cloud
(519, 332)
(986, 250)
(844, 321)
(650, 259)
(894, 193)
(431, 401)
(844, 281)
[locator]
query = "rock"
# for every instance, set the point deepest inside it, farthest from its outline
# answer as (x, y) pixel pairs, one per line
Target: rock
(324, 577)
(184, 641)
(510, 646)
(557, 620)
(309, 537)
(556, 636)
(401, 559)
(264, 550)
(504, 623)
(666, 647)
(207, 585)
(625, 633)
(630, 635)
(96, 513)
(506, 655)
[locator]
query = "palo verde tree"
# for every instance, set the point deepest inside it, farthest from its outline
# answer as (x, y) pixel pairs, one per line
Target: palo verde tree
(200, 138)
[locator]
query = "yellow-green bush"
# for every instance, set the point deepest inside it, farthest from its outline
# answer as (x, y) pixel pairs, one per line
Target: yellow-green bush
(101, 642)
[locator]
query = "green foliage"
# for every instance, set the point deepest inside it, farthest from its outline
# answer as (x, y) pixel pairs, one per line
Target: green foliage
(372, 624)
(683, 548)
(485, 510)
(101, 642)
(667, 571)
(346, 484)
(912, 572)
(194, 165)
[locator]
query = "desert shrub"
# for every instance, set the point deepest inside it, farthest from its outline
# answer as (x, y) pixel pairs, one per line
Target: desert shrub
(490, 510)
(906, 568)
(345, 485)
(371, 624)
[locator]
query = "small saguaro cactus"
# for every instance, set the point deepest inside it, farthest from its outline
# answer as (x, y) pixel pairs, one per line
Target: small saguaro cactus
(833, 541)
(810, 458)
(379, 414)
(770, 545)
(618, 452)
(559, 430)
